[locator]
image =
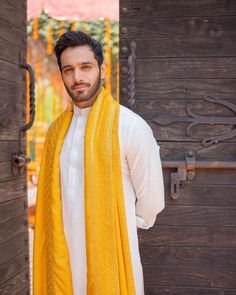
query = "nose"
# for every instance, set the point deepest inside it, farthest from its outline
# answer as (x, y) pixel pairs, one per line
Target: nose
(78, 75)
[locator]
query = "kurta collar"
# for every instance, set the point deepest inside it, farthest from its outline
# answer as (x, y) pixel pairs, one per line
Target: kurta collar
(81, 112)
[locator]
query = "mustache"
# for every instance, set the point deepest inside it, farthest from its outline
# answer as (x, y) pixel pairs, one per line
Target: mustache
(87, 84)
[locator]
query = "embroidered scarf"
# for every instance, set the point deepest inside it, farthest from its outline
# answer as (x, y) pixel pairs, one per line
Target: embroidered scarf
(109, 266)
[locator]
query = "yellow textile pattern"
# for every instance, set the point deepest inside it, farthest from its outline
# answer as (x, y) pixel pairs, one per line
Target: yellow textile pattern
(109, 266)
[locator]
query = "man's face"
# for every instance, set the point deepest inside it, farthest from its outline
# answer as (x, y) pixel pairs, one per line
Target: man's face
(81, 74)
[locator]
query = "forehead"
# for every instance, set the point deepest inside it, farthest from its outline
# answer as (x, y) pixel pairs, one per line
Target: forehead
(78, 54)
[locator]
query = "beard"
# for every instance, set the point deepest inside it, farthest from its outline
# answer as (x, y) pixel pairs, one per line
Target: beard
(80, 95)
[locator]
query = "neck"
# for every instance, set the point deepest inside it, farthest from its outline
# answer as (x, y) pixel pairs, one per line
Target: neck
(88, 103)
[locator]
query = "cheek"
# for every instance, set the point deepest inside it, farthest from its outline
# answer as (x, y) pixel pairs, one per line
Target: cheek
(67, 80)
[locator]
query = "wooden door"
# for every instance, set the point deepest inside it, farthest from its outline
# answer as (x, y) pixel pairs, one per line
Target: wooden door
(14, 270)
(182, 71)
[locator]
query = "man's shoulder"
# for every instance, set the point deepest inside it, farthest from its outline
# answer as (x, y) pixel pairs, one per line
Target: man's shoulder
(130, 119)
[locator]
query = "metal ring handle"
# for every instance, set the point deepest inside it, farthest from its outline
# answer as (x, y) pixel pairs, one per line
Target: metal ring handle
(131, 75)
(32, 96)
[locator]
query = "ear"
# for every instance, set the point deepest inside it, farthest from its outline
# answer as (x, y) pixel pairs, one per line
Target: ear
(103, 71)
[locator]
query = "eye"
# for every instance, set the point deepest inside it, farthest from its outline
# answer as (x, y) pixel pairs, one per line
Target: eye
(67, 70)
(86, 67)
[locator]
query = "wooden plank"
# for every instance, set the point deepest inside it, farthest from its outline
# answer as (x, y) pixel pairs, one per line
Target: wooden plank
(17, 36)
(196, 236)
(12, 91)
(181, 47)
(11, 132)
(17, 281)
(207, 177)
(6, 172)
(203, 195)
(12, 209)
(156, 88)
(12, 189)
(191, 276)
(20, 4)
(169, 27)
(188, 256)
(14, 247)
(25, 290)
(163, 8)
(14, 227)
(7, 148)
(8, 12)
(175, 290)
(149, 109)
(15, 111)
(177, 132)
(8, 52)
(185, 68)
(198, 215)
(12, 72)
(217, 152)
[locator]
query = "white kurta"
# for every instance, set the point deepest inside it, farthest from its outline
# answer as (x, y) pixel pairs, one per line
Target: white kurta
(142, 184)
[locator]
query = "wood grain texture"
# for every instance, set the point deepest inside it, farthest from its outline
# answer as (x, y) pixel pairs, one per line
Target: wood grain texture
(12, 72)
(181, 47)
(6, 172)
(12, 91)
(12, 228)
(187, 256)
(14, 247)
(198, 215)
(17, 207)
(207, 177)
(16, 37)
(160, 290)
(9, 12)
(191, 276)
(194, 236)
(155, 88)
(186, 68)
(180, 8)
(7, 148)
(13, 189)
(17, 275)
(11, 132)
(177, 151)
(148, 27)
(203, 195)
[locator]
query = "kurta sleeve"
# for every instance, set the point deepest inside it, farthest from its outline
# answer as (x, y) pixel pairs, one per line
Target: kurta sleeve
(146, 173)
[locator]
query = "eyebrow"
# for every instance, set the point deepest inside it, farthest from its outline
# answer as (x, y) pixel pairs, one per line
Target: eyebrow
(82, 63)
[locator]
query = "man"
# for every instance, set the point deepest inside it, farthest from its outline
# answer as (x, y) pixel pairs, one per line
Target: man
(100, 179)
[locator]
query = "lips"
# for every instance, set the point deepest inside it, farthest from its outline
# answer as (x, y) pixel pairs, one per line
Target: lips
(79, 88)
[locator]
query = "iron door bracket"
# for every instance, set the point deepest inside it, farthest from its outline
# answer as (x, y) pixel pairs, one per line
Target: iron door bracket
(186, 170)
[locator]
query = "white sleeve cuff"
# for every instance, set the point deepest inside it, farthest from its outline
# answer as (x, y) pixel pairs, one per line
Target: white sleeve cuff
(142, 224)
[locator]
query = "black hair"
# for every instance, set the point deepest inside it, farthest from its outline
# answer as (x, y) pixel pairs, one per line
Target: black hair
(78, 38)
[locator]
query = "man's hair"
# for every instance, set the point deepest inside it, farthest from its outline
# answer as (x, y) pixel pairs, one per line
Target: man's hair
(78, 38)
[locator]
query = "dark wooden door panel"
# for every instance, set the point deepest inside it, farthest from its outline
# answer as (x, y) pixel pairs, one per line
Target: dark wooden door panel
(185, 51)
(14, 241)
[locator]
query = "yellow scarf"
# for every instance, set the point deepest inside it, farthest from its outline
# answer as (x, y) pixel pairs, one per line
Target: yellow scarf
(109, 266)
